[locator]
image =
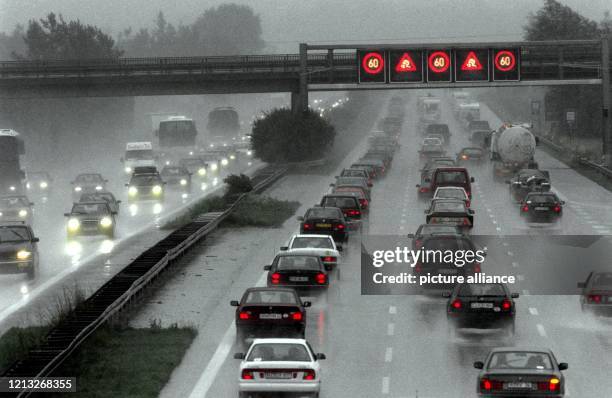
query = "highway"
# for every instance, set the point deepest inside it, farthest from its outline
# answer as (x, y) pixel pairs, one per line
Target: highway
(399, 346)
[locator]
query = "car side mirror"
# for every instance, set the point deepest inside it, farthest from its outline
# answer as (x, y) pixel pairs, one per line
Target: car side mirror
(479, 365)
(418, 185)
(114, 213)
(121, 160)
(428, 180)
(410, 236)
(118, 201)
(35, 240)
(234, 303)
(284, 248)
(446, 294)
(581, 285)
(320, 356)
(127, 185)
(267, 267)
(563, 366)
(514, 295)
(66, 214)
(562, 202)
(105, 181)
(239, 355)
(425, 211)
(537, 140)
(340, 248)
(471, 211)
(306, 304)
(332, 185)
(472, 179)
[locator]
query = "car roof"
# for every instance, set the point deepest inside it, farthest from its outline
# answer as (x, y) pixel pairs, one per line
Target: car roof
(338, 195)
(447, 168)
(307, 250)
(266, 289)
(279, 341)
(97, 202)
(312, 235)
(521, 349)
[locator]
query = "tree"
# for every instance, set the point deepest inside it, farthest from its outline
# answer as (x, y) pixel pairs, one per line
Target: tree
(554, 21)
(12, 44)
(52, 37)
(284, 136)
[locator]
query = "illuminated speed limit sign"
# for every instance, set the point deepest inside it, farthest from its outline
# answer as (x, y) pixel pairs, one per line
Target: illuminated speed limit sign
(371, 66)
(439, 66)
(506, 65)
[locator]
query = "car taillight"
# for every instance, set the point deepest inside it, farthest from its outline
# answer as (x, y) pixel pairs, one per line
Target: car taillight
(433, 220)
(467, 203)
(321, 278)
(418, 243)
(329, 259)
(525, 208)
(340, 226)
(466, 221)
(506, 305)
(456, 304)
(244, 315)
(464, 157)
(423, 189)
(488, 385)
(309, 374)
(363, 202)
(275, 278)
(594, 298)
(557, 209)
(477, 268)
(247, 374)
(296, 316)
(307, 226)
(550, 385)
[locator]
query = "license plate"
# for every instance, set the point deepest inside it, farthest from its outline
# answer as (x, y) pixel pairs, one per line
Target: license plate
(323, 225)
(517, 385)
(279, 375)
(447, 271)
(540, 208)
(298, 278)
(481, 305)
(270, 316)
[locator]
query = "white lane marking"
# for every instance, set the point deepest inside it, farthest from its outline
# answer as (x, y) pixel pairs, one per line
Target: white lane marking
(390, 329)
(385, 385)
(541, 330)
(401, 227)
(494, 222)
(498, 228)
(505, 244)
(214, 365)
(392, 309)
(510, 254)
(515, 264)
(599, 226)
(489, 209)
(389, 354)
(521, 277)
(533, 311)
(491, 215)
(604, 231)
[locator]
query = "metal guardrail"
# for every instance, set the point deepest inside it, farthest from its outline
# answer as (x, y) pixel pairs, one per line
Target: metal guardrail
(120, 290)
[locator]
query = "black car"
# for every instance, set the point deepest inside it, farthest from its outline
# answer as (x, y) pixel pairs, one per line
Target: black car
(91, 218)
(349, 205)
(354, 182)
(470, 155)
(102, 197)
(426, 230)
(146, 186)
(18, 249)
(325, 220)
(88, 182)
(596, 295)
(481, 306)
(270, 312)
(438, 129)
(16, 208)
(528, 180)
(424, 187)
(520, 372)
(542, 206)
(298, 271)
(177, 177)
(449, 212)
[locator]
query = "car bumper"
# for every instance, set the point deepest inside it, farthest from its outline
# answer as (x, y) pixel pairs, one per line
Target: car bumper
(480, 320)
(15, 266)
(598, 309)
(510, 394)
(281, 386)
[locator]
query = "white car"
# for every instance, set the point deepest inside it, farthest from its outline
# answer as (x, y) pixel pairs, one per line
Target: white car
(279, 366)
(452, 193)
(322, 245)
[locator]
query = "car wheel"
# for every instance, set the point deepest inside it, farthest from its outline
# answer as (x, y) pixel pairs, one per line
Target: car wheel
(243, 394)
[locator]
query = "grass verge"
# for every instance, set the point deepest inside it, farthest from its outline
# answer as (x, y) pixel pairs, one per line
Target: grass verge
(254, 210)
(134, 363)
(17, 342)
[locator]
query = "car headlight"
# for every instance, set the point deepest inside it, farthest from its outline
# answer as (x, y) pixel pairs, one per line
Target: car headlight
(212, 145)
(0, 214)
(98, 187)
(128, 170)
(73, 224)
(157, 189)
(224, 162)
(23, 255)
(43, 185)
(12, 188)
(28, 185)
(106, 222)
(132, 191)
(249, 152)
(224, 144)
(23, 213)
(183, 182)
(214, 166)
(232, 157)
(78, 189)
(167, 163)
(202, 171)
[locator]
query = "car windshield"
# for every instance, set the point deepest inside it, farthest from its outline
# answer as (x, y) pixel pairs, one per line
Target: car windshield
(192, 162)
(14, 202)
(38, 177)
(279, 352)
(172, 171)
(481, 289)
(353, 173)
(432, 141)
(145, 179)
(139, 154)
(520, 360)
(14, 234)
(450, 193)
(89, 179)
(350, 181)
(429, 229)
(450, 206)
(431, 148)
(322, 242)
(541, 198)
(602, 280)
(322, 212)
(93, 208)
(270, 296)
(288, 263)
(341, 202)
(454, 177)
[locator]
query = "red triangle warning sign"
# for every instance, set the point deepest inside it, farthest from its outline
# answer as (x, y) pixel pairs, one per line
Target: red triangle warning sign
(471, 62)
(405, 64)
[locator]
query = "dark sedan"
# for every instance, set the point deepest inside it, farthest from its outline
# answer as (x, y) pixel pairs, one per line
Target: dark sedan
(449, 212)
(596, 296)
(426, 230)
(325, 220)
(520, 372)
(296, 270)
(542, 206)
(469, 156)
(528, 180)
(18, 249)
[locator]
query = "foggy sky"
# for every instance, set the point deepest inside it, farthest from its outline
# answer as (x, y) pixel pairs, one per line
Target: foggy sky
(287, 22)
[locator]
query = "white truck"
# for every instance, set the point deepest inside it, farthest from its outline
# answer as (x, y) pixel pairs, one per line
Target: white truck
(512, 148)
(138, 154)
(468, 112)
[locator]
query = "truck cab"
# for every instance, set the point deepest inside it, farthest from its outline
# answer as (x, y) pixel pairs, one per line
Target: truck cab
(137, 154)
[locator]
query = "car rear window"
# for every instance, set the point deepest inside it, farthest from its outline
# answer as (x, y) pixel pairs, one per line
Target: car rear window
(451, 177)
(520, 360)
(312, 242)
(288, 263)
(342, 202)
(322, 212)
(270, 296)
(88, 178)
(354, 173)
(431, 148)
(602, 280)
(541, 198)
(428, 229)
(449, 207)
(447, 243)
(481, 289)
(350, 181)
(279, 352)
(450, 193)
